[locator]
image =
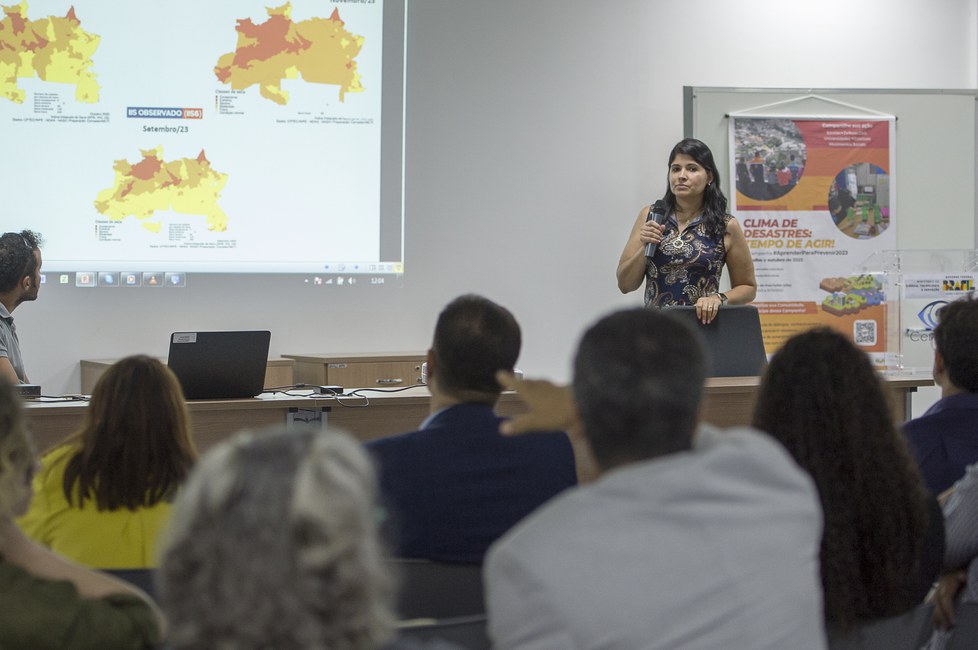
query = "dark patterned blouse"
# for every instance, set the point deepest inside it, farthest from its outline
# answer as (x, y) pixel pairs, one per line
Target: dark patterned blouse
(686, 266)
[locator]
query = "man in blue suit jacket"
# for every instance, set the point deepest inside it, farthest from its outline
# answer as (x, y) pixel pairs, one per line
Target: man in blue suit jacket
(944, 440)
(456, 485)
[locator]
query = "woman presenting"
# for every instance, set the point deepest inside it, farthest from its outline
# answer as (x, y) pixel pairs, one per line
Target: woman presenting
(696, 238)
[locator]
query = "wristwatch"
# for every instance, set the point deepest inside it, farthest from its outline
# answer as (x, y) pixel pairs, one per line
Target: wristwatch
(722, 297)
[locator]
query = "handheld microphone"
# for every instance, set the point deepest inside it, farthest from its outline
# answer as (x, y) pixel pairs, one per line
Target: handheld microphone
(657, 213)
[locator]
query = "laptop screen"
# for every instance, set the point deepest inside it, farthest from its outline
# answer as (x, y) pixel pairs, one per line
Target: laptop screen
(733, 339)
(220, 365)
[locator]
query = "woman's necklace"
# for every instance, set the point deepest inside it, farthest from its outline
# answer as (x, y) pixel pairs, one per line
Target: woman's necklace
(678, 242)
(683, 223)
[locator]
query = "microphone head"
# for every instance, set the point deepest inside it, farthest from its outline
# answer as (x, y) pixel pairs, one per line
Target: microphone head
(659, 207)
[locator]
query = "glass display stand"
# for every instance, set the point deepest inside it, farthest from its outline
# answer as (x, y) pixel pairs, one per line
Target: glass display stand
(916, 284)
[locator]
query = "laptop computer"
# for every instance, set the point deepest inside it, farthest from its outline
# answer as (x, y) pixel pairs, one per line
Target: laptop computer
(219, 365)
(733, 339)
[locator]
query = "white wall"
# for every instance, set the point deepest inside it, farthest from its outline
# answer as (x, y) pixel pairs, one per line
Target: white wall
(536, 130)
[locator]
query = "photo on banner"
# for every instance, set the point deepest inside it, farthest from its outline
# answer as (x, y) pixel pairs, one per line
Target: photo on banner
(816, 197)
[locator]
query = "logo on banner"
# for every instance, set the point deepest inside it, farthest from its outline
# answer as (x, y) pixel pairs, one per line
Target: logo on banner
(928, 315)
(961, 285)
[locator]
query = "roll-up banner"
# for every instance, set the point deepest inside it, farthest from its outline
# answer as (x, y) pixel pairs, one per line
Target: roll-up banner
(816, 197)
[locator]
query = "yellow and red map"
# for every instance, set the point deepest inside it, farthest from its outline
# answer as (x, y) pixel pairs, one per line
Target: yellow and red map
(185, 185)
(55, 49)
(321, 50)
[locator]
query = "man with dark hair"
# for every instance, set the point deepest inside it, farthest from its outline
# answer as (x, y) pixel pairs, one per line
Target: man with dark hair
(20, 280)
(454, 486)
(689, 537)
(944, 440)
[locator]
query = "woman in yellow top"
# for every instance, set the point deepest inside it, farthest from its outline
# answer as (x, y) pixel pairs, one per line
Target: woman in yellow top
(46, 601)
(102, 497)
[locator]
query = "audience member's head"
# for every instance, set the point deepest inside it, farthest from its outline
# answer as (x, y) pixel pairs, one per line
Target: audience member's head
(638, 383)
(956, 344)
(273, 544)
(16, 455)
(474, 337)
(823, 400)
(134, 446)
(20, 260)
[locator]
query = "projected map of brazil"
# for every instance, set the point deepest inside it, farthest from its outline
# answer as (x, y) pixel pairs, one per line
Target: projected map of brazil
(185, 185)
(141, 136)
(55, 49)
(321, 50)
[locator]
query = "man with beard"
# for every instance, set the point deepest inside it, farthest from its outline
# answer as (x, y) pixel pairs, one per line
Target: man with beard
(20, 280)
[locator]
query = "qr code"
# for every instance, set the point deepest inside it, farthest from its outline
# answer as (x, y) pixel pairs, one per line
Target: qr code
(864, 332)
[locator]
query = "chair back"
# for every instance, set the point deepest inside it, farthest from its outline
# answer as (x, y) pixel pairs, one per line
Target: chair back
(468, 632)
(904, 632)
(964, 634)
(145, 579)
(437, 590)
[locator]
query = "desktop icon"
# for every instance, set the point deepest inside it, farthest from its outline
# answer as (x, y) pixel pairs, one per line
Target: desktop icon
(64, 278)
(130, 279)
(176, 279)
(108, 279)
(85, 279)
(152, 279)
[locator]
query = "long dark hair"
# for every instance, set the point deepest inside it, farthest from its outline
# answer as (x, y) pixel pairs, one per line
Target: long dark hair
(134, 446)
(714, 202)
(822, 399)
